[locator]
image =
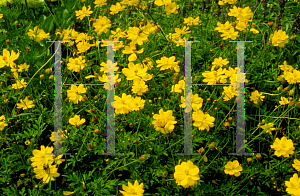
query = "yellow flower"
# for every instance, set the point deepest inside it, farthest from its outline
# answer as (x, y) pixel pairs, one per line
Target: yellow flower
(136, 35)
(242, 14)
(179, 88)
(83, 46)
(284, 101)
(186, 174)
(8, 58)
(19, 84)
(283, 147)
(131, 49)
(101, 24)
(164, 121)
(100, 3)
(104, 66)
(285, 67)
(103, 79)
(83, 13)
(134, 71)
(241, 25)
(114, 9)
(38, 34)
(202, 121)
(196, 103)
(221, 2)
(77, 64)
(47, 173)
(229, 92)
(254, 30)
(40, 158)
(2, 122)
(138, 103)
(27, 142)
(160, 2)
(230, 34)
(147, 63)
(139, 87)
(167, 63)
(73, 94)
(123, 105)
(219, 62)
(293, 186)
(256, 96)
(1, 16)
(191, 21)
(22, 67)
(136, 189)
(83, 37)
(68, 192)
(268, 127)
(233, 168)
(292, 77)
(58, 135)
(130, 2)
(25, 104)
(171, 7)
(230, 1)
(76, 121)
(212, 77)
(279, 38)
(180, 32)
(223, 27)
(296, 164)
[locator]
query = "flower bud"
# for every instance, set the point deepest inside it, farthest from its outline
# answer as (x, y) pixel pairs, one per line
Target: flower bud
(42, 76)
(48, 71)
(249, 160)
(51, 77)
(201, 150)
(91, 146)
(96, 131)
(258, 156)
(164, 174)
(36, 186)
(226, 124)
(270, 24)
(212, 145)
(143, 158)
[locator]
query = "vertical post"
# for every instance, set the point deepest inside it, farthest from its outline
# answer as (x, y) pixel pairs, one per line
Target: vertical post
(240, 105)
(57, 101)
(110, 117)
(188, 125)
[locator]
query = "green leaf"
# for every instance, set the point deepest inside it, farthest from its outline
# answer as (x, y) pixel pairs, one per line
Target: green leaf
(48, 24)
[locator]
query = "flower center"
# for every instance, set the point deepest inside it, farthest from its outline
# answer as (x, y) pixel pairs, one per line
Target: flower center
(186, 171)
(132, 190)
(136, 71)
